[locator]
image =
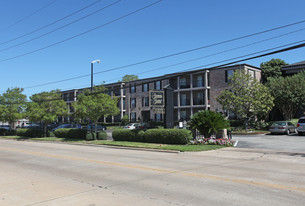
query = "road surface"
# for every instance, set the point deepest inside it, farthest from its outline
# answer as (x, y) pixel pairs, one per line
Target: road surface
(45, 174)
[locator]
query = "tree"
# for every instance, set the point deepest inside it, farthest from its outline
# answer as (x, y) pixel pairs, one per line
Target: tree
(128, 78)
(95, 104)
(46, 107)
(247, 98)
(12, 105)
(272, 68)
(208, 122)
(288, 93)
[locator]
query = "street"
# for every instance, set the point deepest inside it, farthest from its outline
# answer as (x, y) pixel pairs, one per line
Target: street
(43, 174)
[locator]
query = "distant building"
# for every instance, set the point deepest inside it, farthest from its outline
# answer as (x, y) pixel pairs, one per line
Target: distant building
(193, 91)
(292, 69)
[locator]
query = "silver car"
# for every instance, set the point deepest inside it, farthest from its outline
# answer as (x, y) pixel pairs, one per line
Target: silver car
(282, 127)
(301, 126)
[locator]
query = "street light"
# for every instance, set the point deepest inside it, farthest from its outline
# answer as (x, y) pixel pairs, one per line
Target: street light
(97, 61)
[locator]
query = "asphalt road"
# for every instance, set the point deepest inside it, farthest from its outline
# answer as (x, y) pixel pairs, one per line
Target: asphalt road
(45, 174)
(288, 143)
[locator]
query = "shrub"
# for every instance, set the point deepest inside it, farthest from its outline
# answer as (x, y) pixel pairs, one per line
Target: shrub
(168, 136)
(3, 132)
(30, 132)
(98, 136)
(128, 135)
(212, 141)
(70, 133)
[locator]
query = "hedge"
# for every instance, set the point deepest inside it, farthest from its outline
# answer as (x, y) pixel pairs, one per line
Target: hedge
(30, 132)
(70, 133)
(162, 136)
(3, 132)
(98, 136)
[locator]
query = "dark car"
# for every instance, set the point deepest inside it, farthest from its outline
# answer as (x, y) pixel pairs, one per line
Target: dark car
(7, 127)
(68, 126)
(98, 127)
(282, 127)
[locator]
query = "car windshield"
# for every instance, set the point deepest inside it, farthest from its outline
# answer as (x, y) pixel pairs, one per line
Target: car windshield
(279, 123)
(301, 121)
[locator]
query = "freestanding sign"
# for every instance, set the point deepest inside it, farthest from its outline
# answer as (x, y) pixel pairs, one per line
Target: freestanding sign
(169, 107)
(156, 99)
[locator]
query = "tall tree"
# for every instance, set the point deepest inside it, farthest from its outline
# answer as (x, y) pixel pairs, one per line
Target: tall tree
(46, 107)
(272, 68)
(247, 97)
(289, 93)
(128, 78)
(94, 105)
(12, 105)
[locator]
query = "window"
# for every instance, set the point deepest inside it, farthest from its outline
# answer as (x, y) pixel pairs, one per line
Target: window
(229, 74)
(251, 73)
(133, 89)
(133, 116)
(182, 82)
(199, 81)
(145, 87)
(145, 101)
(158, 117)
(182, 99)
(198, 98)
(182, 115)
(158, 85)
(133, 102)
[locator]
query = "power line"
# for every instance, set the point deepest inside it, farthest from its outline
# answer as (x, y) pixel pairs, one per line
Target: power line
(215, 67)
(54, 30)
(28, 16)
(50, 24)
(83, 33)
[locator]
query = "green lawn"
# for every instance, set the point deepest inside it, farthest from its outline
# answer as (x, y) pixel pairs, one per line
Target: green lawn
(181, 148)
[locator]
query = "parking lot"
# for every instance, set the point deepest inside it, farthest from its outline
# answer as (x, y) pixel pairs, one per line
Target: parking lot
(289, 143)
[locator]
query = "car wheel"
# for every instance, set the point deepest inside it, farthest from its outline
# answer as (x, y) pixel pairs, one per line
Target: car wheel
(300, 133)
(288, 132)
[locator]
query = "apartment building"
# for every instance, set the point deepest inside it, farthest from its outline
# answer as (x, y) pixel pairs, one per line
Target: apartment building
(193, 91)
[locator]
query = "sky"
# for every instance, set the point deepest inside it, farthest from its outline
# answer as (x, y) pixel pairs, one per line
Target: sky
(50, 44)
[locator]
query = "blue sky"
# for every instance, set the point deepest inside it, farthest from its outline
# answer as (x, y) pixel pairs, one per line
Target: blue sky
(165, 28)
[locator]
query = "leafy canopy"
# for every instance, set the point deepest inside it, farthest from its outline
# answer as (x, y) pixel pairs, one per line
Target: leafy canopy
(288, 93)
(247, 97)
(208, 122)
(272, 68)
(12, 104)
(128, 78)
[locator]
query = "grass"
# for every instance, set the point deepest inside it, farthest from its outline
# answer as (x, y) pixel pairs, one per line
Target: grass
(181, 148)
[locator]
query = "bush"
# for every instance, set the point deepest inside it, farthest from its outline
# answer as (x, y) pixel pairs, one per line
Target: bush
(3, 132)
(30, 132)
(128, 135)
(168, 136)
(70, 133)
(161, 136)
(98, 136)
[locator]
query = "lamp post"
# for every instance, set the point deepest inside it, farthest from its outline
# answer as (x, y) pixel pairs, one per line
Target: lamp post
(97, 61)
(91, 89)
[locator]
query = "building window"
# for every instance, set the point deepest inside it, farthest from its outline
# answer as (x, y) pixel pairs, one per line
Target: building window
(198, 81)
(229, 74)
(182, 82)
(158, 85)
(145, 87)
(133, 102)
(251, 73)
(184, 99)
(133, 89)
(182, 115)
(133, 116)
(145, 101)
(158, 117)
(198, 98)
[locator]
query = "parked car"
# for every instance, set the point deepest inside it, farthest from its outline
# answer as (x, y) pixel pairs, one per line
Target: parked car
(98, 127)
(301, 126)
(282, 127)
(7, 127)
(131, 126)
(145, 126)
(70, 126)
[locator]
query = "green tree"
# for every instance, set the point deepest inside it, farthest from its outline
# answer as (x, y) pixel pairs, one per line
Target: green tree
(288, 93)
(208, 122)
(247, 97)
(46, 107)
(272, 68)
(128, 78)
(95, 104)
(12, 105)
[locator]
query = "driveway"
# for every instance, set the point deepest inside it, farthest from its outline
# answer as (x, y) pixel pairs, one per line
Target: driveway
(289, 143)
